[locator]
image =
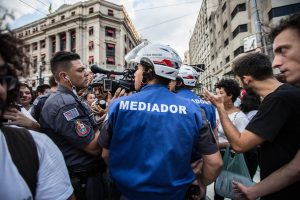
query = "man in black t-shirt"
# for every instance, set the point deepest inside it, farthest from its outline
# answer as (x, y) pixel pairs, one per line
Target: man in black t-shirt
(275, 127)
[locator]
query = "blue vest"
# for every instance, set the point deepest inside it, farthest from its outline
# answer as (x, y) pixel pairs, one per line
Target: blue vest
(153, 134)
(208, 108)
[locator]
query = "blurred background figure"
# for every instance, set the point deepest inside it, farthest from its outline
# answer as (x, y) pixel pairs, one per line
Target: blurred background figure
(26, 96)
(89, 97)
(249, 105)
(42, 89)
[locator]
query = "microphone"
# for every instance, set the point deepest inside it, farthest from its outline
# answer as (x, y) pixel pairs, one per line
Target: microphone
(96, 69)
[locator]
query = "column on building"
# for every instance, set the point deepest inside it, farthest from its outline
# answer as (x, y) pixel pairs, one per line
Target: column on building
(57, 43)
(68, 40)
(79, 43)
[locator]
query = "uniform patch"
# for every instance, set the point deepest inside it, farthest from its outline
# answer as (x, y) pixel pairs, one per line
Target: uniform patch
(71, 114)
(82, 129)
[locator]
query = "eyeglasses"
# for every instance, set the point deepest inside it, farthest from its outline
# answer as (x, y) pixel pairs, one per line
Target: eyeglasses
(10, 81)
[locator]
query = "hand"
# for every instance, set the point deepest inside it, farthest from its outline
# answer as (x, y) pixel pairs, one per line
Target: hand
(98, 110)
(17, 118)
(215, 99)
(119, 93)
(243, 192)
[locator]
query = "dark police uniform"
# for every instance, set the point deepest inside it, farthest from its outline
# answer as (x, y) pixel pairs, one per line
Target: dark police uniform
(37, 106)
(69, 123)
(149, 155)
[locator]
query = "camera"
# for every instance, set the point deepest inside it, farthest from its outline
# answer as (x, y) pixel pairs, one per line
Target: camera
(125, 82)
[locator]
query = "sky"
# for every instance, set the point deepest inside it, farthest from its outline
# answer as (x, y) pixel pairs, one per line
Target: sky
(168, 22)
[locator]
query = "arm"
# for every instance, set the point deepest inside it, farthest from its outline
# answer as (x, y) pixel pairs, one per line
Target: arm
(281, 178)
(93, 147)
(105, 155)
(212, 165)
(17, 118)
(239, 141)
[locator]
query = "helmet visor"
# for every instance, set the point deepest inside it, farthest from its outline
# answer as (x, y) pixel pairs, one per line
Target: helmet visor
(131, 57)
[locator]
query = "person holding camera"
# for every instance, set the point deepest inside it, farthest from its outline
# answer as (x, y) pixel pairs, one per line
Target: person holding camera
(149, 136)
(69, 123)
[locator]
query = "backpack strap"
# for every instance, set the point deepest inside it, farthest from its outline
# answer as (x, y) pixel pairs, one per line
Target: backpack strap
(24, 154)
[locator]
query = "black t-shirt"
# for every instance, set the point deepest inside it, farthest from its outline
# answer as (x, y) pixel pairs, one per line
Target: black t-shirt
(278, 121)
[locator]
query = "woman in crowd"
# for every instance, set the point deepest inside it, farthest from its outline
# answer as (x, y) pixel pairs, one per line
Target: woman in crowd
(230, 90)
(26, 96)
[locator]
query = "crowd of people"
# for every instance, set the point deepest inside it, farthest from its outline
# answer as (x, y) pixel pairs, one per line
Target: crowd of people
(72, 139)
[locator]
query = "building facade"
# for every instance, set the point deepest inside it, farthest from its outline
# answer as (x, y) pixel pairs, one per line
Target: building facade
(227, 29)
(99, 31)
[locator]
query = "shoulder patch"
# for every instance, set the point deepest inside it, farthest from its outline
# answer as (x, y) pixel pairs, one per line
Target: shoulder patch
(71, 114)
(82, 129)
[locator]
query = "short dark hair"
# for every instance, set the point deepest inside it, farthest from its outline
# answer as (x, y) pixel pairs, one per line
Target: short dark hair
(231, 87)
(256, 65)
(52, 81)
(61, 60)
(293, 22)
(42, 88)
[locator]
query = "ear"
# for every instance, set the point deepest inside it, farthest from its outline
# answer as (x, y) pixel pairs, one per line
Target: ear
(62, 75)
(247, 79)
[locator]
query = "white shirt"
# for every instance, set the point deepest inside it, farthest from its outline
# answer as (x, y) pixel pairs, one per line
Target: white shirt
(239, 120)
(53, 178)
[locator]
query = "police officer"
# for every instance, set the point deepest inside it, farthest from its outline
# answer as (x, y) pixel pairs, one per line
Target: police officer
(149, 155)
(186, 81)
(39, 102)
(67, 121)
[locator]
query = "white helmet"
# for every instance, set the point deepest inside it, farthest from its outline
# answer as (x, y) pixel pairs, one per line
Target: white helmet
(162, 58)
(188, 74)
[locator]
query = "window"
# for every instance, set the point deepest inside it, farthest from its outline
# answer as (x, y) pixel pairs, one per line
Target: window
(42, 44)
(34, 64)
(35, 46)
(227, 59)
(212, 57)
(238, 51)
(91, 30)
(62, 17)
(225, 25)
(27, 49)
(91, 60)
(91, 10)
(52, 21)
(110, 53)
(43, 61)
(110, 12)
(63, 42)
(284, 10)
(73, 41)
(73, 13)
(125, 38)
(224, 7)
(241, 28)
(111, 32)
(53, 44)
(226, 42)
(238, 8)
(91, 45)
